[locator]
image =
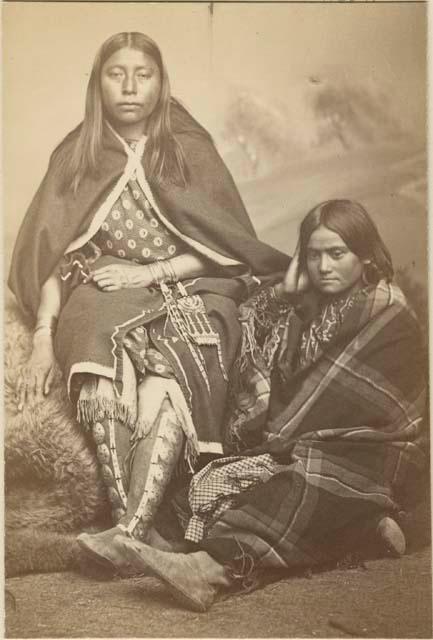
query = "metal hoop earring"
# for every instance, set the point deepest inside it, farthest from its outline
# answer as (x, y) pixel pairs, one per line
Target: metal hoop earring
(372, 275)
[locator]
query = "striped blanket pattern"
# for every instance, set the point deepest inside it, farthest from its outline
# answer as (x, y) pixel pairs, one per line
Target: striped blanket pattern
(350, 439)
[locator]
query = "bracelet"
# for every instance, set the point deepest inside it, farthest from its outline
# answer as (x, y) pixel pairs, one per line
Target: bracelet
(167, 267)
(43, 331)
(46, 327)
(155, 272)
(162, 271)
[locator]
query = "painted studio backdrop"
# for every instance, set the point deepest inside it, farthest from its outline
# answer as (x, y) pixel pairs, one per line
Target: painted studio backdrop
(305, 102)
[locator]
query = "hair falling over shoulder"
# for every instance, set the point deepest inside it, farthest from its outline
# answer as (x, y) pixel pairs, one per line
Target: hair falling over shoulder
(165, 160)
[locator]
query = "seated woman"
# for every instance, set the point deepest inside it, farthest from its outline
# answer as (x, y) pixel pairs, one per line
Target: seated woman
(327, 410)
(125, 250)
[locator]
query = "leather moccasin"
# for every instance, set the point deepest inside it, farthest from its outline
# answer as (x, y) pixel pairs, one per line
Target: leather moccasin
(100, 549)
(391, 536)
(180, 572)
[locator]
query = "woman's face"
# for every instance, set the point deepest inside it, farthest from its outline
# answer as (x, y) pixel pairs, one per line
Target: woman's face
(130, 87)
(332, 268)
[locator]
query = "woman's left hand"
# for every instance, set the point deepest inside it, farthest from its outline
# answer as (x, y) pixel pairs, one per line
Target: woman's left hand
(122, 276)
(37, 374)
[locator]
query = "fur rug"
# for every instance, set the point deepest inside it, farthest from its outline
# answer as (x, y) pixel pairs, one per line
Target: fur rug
(52, 485)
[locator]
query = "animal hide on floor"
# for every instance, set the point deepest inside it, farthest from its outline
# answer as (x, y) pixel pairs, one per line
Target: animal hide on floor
(52, 485)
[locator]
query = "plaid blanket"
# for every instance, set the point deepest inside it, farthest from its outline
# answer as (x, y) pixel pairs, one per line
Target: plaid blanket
(345, 427)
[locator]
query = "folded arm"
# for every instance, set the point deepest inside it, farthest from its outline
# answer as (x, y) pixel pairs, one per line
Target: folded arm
(130, 275)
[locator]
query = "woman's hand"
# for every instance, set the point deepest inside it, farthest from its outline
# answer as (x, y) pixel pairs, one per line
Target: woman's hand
(37, 375)
(122, 276)
(295, 281)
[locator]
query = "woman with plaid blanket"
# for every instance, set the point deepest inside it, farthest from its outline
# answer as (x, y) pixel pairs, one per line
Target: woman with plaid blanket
(326, 424)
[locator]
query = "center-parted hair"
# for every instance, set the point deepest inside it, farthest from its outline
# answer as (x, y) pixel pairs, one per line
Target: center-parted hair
(164, 156)
(354, 225)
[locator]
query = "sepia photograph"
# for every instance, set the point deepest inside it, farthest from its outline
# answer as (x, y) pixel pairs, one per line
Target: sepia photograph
(216, 416)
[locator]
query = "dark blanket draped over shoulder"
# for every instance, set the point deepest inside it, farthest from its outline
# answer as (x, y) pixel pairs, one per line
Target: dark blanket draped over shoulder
(349, 433)
(209, 210)
(366, 385)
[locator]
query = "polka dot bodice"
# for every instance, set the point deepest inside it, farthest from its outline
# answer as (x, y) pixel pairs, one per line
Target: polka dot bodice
(133, 231)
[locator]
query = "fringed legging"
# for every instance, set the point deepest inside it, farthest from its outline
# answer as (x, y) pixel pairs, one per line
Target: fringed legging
(137, 478)
(137, 467)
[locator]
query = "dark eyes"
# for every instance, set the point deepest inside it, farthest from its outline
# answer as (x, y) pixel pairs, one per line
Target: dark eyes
(335, 254)
(119, 74)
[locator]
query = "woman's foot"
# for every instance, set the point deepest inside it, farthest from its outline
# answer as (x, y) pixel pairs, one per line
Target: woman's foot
(99, 547)
(391, 536)
(193, 579)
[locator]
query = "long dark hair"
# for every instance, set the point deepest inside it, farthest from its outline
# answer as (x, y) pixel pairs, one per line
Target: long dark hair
(354, 225)
(164, 156)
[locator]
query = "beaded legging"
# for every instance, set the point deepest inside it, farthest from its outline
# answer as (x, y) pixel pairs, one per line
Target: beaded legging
(137, 475)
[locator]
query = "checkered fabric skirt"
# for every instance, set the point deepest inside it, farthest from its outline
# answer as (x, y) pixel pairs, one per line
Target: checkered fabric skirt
(214, 489)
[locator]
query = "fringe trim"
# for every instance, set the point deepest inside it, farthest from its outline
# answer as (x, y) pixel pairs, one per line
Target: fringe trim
(249, 347)
(143, 427)
(251, 353)
(96, 409)
(141, 430)
(247, 356)
(191, 452)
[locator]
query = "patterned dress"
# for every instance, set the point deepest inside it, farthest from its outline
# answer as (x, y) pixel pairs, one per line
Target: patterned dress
(132, 231)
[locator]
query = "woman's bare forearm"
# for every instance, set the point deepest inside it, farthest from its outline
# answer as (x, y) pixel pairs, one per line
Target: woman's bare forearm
(50, 303)
(189, 265)
(130, 275)
(37, 375)
(182, 267)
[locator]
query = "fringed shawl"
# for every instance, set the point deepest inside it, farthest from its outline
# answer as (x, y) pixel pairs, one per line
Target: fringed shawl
(366, 383)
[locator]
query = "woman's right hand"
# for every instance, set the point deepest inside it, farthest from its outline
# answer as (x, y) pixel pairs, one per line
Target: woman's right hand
(122, 276)
(37, 374)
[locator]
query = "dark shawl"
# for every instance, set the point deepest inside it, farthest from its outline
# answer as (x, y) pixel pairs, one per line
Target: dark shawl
(349, 431)
(208, 210)
(93, 324)
(366, 383)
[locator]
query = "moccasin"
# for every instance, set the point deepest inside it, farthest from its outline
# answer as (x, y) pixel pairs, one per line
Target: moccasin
(392, 536)
(99, 548)
(180, 572)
